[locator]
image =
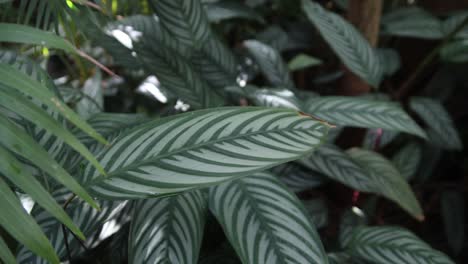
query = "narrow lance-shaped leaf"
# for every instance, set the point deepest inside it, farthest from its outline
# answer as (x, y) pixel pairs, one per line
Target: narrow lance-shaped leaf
(202, 148)
(17, 174)
(442, 131)
(16, 140)
(167, 230)
(270, 62)
(350, 46)
(363, 112)
(264, 222)
(5, 254)
(14, 219)
(387, 180)
(390, 245)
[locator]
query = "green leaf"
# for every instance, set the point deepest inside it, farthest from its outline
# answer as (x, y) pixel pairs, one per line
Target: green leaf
(453, 214)
(276, 38)
(351, 219)
(303, 61)
(270, 62)
(167, 230)
(390, 245)
(378, 138)
(318, 211)
(388, 182)
(5, 254)
(14, 220)
(22, 82)
(264, 222)
(297, 178)
(350, 46)
(184, 19)
(227, 9)
(344, 257)
(15, 101)
(453, 21)
(16, 140)
(412, 22)
(456, 51)
(389, 60)
(30, 35)
(269, 97)
(202, 148)
(408, 159)
(337, 165)
(363, 112)
(94, 101)
(13, 170)
(442, 131)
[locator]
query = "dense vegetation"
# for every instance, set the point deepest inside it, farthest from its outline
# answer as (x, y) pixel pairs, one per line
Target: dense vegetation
(222, 131)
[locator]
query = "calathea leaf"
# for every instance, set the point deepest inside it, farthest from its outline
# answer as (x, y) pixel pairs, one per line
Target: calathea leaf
(391, 245)
(442, 132)
(350, 46)
(184, 19)
(270, 62)
(407, 160)
(167, 230)
(200, 149)
(226, 9)
(412, 22)
(352, 218)
(318, 211)
(387, 181)
(270, 97)
(363, 112)
(297, 178)
(264, 222)
(337, 165)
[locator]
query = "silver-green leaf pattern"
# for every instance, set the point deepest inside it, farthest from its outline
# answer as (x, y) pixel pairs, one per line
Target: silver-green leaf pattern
(388, 182)
(202, 148)
(297, 178)
(264, 222)
(393, 245)
(407, 159)
(168, 229)
(350, 46)
(442, 131)
(363, 112)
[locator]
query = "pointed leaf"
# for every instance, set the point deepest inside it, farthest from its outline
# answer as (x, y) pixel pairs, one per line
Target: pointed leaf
(167, 230)
(363, 112)
(390, 245)
(270, 62)
(16, 140)
(350, 46)
(303, 61)
(5, 254)
(388, 182)
(202, 148)
(412, 22)
(14, 219)
(442, 131)
(264, 222)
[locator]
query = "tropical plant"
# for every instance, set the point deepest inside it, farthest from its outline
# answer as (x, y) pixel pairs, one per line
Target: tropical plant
(216, 131)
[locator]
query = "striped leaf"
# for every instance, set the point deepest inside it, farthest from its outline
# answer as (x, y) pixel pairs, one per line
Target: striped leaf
(407, 160)
(202, 148)
(412, 22)
(270, 62)
(363, 112)
(337, 165)
(388, 182)
(88, 219)
(351, 219)
(270, 97)
(393, 245)
(264, 222)
(442, 131)
(297, 178)
(349, 45)
(185, 19)
(378, 138)
(167, 230)
(344, 257)
(453, 215)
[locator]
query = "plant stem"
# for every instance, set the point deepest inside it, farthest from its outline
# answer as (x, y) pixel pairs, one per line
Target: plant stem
(405, 88)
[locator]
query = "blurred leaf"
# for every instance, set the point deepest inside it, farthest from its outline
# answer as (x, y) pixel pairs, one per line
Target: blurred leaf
(453, 21)
(228, 9)
(453, 214)
(390, 60)
(303, 61)
(350, 46)
(318, 211)
(390, 245)
(456, 51)
(412, 22)
(5, 254)
(297, 178)
(269, 97)
(408, 159)
(93, 102)
(264, 222)
(442, 131)
(351, 219)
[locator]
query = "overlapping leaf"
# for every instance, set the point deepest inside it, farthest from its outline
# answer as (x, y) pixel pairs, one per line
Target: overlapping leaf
(350, 46)
(363, 112)
(442, 130)
(264, 222)
(297, 178)
(226, 9)
(167, 230)
(390, 245)
(407, 160)
(202, 148)
(412, 22)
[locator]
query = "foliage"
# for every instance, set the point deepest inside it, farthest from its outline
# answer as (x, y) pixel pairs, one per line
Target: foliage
(205, 131)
